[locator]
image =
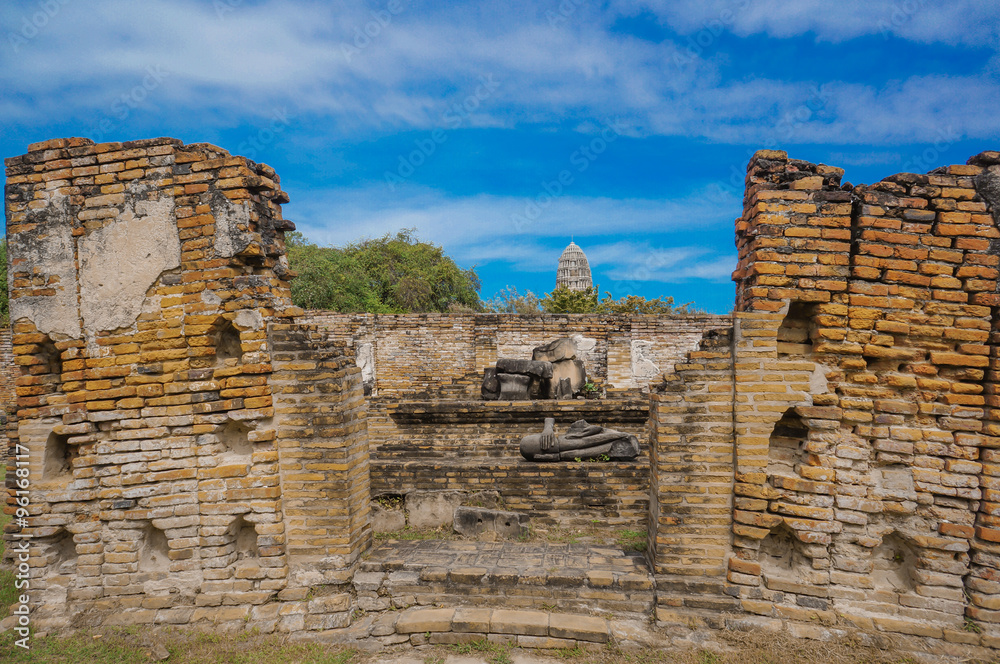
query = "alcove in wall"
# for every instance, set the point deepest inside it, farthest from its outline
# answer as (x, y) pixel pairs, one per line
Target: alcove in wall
(243, 536)
(784, 447)
(781, 556)
(58, 457)
(153, 551)
(797, 330)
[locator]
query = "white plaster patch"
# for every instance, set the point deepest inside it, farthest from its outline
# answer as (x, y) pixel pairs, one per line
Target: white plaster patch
(249, 319)
(49, 252)
(642, 363)
(583, 344)
(365, 359)
(209, 297)
(230, 217)
(119, 262)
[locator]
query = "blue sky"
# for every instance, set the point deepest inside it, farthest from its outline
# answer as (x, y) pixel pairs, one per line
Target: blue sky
(499, 130)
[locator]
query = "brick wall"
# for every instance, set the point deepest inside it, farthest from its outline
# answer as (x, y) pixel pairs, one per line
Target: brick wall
(444, 354)
(194, 455)
(863, 422)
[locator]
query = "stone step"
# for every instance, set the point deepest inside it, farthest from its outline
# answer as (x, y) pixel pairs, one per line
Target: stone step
(526, 629)
(567, 577)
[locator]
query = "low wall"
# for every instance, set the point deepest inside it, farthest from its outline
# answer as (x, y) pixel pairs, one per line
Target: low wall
(444, 354)
(473, 446)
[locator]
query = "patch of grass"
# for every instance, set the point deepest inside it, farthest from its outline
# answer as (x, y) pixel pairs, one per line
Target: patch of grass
(495, 653)
(128, 646)
(632, 540)
(569, 653)
(8, 594)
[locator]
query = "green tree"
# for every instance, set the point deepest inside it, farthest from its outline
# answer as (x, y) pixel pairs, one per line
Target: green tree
(509, 301)
(392, 274)
(565, 301)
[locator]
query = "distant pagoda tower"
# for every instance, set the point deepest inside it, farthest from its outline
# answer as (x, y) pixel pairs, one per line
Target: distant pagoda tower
(574, 270)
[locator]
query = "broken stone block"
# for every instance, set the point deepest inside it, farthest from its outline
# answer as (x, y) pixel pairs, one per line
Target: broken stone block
(431, 509)
(491, 386)
(475, 520)
(569, 370)
(514, 387)
(385, 520)
(560, 349)
(525, 367)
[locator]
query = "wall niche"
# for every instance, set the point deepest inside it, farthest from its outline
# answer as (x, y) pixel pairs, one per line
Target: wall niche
(58, 457)
(797, 331)
(781, 556)
(894, 564)
(235, 441)
(228, 347)
(784, 447)
(153, 551)
(243, 535)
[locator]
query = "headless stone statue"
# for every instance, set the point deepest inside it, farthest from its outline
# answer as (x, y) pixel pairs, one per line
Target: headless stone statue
(581, 441)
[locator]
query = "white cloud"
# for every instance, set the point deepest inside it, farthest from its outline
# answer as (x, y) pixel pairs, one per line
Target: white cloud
(965, 22)
(475, 227)
(266, 55)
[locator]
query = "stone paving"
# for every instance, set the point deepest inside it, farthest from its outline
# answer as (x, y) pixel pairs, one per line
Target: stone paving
(575, 578)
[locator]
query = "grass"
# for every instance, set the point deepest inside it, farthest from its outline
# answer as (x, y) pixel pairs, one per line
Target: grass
(632, 540)
(131, 646)
(494, 653)
(8, 594)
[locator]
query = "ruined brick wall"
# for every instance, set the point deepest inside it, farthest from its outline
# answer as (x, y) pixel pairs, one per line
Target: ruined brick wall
(8, 372)
(863, 414)
(161, 394)
(475, 446)
(444, 354)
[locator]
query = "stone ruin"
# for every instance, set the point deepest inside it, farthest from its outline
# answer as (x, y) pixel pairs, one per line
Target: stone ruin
(197, 453)
(553, 372)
